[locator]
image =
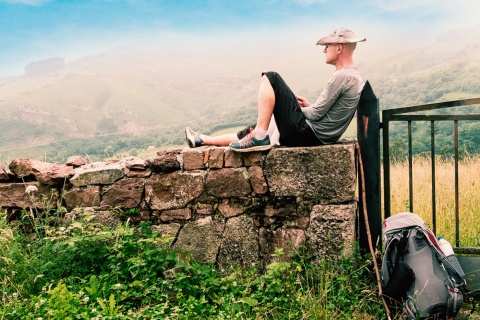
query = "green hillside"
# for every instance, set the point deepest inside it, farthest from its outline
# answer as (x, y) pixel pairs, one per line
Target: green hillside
(123, 101)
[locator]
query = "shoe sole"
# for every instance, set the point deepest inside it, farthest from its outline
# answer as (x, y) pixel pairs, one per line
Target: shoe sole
(257, 148)
(189, 138)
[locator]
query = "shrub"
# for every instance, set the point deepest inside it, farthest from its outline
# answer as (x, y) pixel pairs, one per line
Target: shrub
(82, 271)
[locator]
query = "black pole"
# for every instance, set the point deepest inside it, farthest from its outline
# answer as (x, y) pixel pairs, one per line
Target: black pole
(368, 136)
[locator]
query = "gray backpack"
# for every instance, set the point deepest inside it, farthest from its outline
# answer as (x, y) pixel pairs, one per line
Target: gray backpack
(416, 275)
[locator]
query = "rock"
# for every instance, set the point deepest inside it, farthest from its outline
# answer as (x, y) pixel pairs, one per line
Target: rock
(14, 195)
(172, 190)
(134, 163)
(75, 161)
(240, 244)
(83, 197)
(28, 167)
(57, 174)
(200, 238)
(107, 219)
(98, 173)
(228, 182)
(259, 184)
(230, 208)
(204, 208)
(332, 229)
(165, 161)
(327, 172)
(125, 193)
(253, 158)
(176, 214)
(232, 159)
(4, 173)
(289, 240)
(167, 231)
(285, 209)
(215, 160)
(193, 159)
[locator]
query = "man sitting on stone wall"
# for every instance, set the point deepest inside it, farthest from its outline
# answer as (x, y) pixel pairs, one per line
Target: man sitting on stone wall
(299, 122)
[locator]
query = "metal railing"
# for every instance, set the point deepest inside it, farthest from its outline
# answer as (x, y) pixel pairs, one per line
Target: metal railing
(402, 114)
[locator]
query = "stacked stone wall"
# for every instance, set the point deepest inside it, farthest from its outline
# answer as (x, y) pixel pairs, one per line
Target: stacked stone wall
(222, 206)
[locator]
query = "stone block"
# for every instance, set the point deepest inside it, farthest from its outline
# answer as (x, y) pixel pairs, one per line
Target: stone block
(257, 180)
(165, 161)
(233, 159)
(193, 159)
(326, 173)
(240, 245)
(98, 173)
(332, 229)
(4, 173)
(75, 161)
(22, 167)
(200, 238)
(215, 159)
(83, 197)
(125, 193)
(44, 172)
(204, 208)
(167, 231)
(230, 208)
(176, 214)
(288, 240)
(15, 195)
(253, 158)
(228, 182)
(172, 190)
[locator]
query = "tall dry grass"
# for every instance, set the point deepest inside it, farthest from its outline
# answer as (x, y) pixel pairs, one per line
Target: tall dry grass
(469, 195)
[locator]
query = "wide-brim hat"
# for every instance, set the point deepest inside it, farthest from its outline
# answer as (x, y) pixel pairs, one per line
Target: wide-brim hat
(341, 35)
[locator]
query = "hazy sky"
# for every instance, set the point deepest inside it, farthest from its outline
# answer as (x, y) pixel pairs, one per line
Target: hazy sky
(37, 29)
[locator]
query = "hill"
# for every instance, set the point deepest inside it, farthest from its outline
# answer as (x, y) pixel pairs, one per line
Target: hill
(122, 101)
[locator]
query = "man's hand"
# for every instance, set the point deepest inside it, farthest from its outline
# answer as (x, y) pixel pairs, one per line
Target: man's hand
(302, 101)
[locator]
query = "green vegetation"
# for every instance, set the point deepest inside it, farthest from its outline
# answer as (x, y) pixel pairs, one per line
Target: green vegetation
(468, 136)
(79, 270)
(91, 106)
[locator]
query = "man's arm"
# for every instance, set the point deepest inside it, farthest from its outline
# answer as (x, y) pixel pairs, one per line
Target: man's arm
(335, 87)
(302, 101)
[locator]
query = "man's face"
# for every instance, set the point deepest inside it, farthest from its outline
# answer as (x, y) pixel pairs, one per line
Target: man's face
(332, 51)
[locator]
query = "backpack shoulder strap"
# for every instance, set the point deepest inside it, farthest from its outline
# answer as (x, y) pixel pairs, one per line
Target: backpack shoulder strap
(402, 246)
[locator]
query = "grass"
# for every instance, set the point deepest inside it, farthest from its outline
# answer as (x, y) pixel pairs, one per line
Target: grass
(81, 271)
(469, 200)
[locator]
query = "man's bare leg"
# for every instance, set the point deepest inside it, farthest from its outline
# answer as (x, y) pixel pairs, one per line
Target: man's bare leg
(266, 103)
(196, 139)
(222, 140)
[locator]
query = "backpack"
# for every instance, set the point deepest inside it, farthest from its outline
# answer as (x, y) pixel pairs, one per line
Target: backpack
(415, 274)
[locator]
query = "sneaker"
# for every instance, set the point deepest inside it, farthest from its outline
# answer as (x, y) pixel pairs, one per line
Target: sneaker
(250, 143)
(193, 138)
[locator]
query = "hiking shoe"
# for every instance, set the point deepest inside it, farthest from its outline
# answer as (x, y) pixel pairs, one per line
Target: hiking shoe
(250, 143)
(193, 138)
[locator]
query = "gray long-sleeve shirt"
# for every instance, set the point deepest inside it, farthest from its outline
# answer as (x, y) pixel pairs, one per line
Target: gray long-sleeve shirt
(331, 114)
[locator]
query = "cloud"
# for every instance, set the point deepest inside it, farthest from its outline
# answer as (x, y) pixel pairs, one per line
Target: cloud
(34, 3)
(308, 2)
(394, 5)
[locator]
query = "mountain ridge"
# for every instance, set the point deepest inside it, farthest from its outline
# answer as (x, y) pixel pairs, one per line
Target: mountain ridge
(130, 92)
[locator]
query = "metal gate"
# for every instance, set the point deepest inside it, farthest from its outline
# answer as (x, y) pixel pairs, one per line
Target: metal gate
(368, 133)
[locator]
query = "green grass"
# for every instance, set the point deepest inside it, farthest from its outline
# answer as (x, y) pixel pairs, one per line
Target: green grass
(82, 271)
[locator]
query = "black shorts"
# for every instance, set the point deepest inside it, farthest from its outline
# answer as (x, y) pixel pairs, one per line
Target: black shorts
(291, 123)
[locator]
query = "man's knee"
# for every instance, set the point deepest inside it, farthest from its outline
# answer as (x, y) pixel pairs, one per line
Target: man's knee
(271, 75)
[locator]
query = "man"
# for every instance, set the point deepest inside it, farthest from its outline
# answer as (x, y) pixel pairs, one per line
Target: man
(299, 122)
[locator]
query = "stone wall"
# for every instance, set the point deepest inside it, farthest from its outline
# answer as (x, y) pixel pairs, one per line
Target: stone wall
(222, 206)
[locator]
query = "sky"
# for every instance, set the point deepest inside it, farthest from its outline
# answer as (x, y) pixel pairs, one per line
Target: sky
(32, 30)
